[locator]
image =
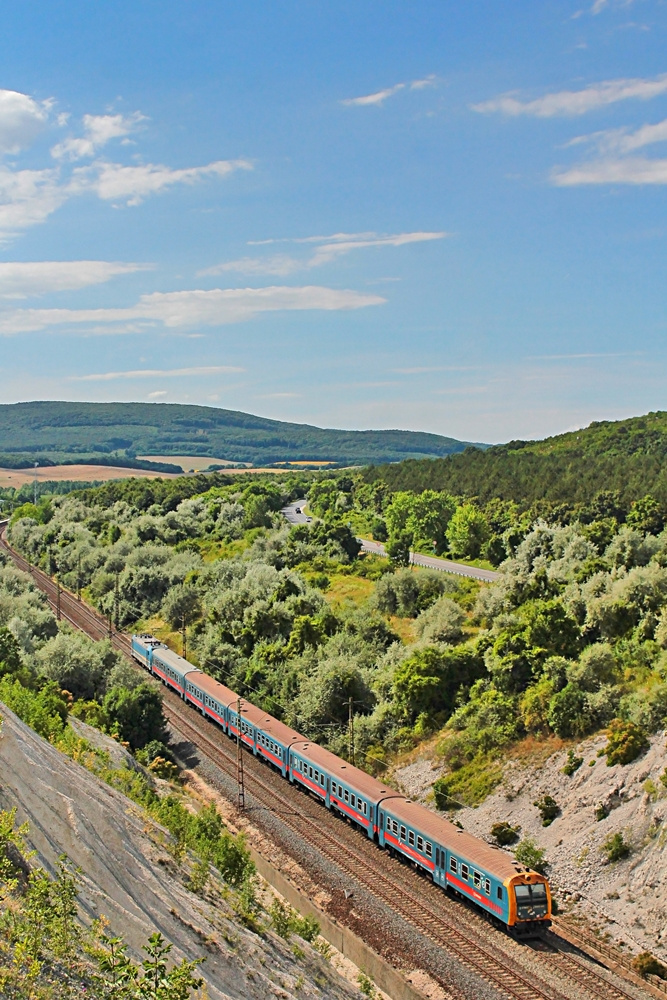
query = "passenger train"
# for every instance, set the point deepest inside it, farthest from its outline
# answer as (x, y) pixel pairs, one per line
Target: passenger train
(507, 892)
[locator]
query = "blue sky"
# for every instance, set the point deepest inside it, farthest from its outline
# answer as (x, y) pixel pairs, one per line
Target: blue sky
(436, 216)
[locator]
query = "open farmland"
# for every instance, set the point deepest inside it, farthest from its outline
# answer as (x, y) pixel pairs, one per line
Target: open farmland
(74, 473)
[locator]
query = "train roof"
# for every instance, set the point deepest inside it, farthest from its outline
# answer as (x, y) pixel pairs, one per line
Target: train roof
(214, 689)
(363, 783)
(262, 720)
(172, 659)
(492, 859)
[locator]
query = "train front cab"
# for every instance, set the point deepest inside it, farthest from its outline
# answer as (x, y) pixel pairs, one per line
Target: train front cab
(529, 899)
(142, 647)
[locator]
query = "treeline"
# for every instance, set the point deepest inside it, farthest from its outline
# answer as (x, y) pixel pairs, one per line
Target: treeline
(624, 456)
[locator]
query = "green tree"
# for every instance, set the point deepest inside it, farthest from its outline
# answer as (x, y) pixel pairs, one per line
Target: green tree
(428, 681)
(398, 548)
(137, 714)
(467, 532)
(646, 515)
(425, 515)
(182, 605)
(625, 742)
(529, 854)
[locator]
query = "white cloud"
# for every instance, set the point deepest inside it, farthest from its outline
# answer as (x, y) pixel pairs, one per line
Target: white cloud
(98, 131)
(27, 197)
(329, 249)
(22, 279)
(158, 394)
(192, 308)
(115, 182)
(157, 373)
(621, 140)
(278, 264)
(630, 170)
(577, 102)
(21, 120)
(613, 163)
(380, 96)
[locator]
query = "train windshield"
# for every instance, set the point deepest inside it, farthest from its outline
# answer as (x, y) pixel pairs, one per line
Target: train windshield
(531, 901)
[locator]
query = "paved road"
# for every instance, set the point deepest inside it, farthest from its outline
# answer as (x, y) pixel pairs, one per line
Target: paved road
(293, 512)
(432, 562)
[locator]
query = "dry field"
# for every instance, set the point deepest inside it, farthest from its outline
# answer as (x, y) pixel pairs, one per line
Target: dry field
(74, 473)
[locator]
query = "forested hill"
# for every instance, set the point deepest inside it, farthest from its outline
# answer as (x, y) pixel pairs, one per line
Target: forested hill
(624, 455)
(58, 430)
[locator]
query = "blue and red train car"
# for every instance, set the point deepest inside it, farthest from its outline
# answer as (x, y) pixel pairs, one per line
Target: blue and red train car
(508, 892)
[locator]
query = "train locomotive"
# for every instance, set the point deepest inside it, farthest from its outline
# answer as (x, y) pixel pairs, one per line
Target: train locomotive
(507, 892)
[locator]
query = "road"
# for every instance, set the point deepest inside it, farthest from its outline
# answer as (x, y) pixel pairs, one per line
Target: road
(432, 562)
(293, 514)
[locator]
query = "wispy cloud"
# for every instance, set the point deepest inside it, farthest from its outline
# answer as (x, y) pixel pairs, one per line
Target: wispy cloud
(23, 279)
(98, 131)
(577, 102)
(380, 96)
(177, 310)
(623, 140)
(613, 163)
(632, 170)
(115, 182)
(329, 249)
(157, 373)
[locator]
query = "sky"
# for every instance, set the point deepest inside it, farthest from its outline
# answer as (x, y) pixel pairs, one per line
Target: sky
(352, 213)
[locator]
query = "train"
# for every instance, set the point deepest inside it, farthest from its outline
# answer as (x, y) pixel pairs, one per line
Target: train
(507, 892)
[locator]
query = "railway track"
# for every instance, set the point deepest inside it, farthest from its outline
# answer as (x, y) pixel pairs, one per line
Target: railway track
(388, 880)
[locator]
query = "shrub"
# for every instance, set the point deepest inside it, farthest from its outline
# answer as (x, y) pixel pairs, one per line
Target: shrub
(530, 855)
(647, 964)
(626, 742)
(615, 847)
(548, 809)
(504, 834)
(601, 812)
(137, 714)
(572, 764)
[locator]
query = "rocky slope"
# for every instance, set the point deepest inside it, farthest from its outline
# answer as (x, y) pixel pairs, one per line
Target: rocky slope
(129, 877)
(627, 899)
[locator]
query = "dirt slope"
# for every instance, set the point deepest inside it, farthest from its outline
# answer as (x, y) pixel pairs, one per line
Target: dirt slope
(130, 879)
(627, 899)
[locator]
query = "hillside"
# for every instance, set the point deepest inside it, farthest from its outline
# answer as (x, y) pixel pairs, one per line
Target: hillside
(77, 431)
(128, 875)
(624, 455)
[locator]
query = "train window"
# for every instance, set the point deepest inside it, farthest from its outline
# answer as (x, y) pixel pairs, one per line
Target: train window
(411, 838)
(437, 857)
(310, 771)
(347, 795)
(464, 872)
(499, 892)
(402, 833)
(477, 880)
(487, 887)
(420, 843)
(322, 780)
(396, 829)
(453, 865)
(429, 849)
(365, 809)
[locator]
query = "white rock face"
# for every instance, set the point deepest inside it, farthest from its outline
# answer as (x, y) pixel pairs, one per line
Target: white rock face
(627, 899)
(127, 877)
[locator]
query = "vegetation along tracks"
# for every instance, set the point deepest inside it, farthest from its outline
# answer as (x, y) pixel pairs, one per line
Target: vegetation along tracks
(388, 881)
